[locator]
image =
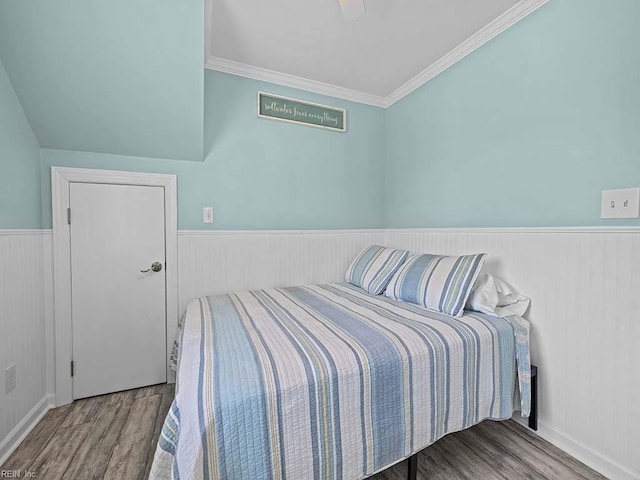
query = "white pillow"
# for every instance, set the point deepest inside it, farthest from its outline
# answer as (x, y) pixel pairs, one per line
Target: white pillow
(496, 297)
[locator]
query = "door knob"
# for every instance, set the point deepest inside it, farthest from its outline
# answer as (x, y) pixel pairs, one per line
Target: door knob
(155, 266)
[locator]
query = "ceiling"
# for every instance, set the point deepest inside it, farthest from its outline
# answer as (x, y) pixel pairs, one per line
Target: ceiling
(310, 43)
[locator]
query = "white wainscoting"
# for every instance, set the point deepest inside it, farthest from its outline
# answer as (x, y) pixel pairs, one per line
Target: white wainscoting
(584, 282)
(223, 261)
(585, 315)
(23, 309)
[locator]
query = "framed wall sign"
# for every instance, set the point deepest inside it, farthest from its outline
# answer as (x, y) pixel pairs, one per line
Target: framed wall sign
(297, 111)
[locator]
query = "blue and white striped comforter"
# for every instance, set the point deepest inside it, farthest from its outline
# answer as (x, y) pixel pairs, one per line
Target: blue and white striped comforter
(326, 382)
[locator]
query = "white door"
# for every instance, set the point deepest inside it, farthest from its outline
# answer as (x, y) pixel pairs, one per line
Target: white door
(118, 311)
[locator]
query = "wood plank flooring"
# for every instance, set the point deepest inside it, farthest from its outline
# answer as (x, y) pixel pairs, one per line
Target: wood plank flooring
(114, 437)
(108, 437)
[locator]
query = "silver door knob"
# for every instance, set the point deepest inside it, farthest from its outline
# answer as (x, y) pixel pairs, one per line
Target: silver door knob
(155, 266)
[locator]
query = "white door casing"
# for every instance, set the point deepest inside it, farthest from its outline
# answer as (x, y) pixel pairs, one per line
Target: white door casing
(61, 178)
(118, 301)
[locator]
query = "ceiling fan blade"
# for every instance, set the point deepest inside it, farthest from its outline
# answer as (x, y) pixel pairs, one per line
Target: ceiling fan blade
(352, 10)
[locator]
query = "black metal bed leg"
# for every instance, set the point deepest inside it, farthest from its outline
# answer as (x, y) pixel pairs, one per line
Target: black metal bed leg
(412, 467)
(533, 416)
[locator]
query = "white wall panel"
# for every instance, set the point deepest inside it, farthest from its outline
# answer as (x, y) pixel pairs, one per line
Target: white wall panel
(22, 331)
(224, 261)
(585, 290)
(585, 286)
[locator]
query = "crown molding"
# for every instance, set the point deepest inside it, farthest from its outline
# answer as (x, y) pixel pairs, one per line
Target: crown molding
(497, 26)
(257, 73)
(475, 41)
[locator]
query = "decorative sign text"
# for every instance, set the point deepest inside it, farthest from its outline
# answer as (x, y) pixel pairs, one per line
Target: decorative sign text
(297, 111)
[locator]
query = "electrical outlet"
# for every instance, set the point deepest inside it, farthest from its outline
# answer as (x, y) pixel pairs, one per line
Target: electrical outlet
(10, 378)
(624, 203)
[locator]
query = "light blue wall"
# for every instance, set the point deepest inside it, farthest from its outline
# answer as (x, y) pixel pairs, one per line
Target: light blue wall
(115, 76)
(527, 130)
(19, 163)
(263, 174)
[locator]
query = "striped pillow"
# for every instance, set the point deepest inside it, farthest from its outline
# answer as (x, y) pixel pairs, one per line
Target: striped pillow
(373, 268)
(436, 282)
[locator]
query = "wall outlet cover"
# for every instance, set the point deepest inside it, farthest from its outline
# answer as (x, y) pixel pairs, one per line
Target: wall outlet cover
(10, 378)
(623, 203)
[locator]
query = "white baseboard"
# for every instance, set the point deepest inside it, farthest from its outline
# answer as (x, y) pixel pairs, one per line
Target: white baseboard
(22, 429)
(584, 454)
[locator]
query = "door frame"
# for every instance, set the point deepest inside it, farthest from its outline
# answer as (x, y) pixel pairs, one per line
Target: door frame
(61, 177)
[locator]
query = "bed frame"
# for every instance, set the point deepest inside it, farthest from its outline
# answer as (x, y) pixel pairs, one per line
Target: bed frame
(412, 461)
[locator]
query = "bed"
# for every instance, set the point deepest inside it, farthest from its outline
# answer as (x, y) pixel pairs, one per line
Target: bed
(328, 382)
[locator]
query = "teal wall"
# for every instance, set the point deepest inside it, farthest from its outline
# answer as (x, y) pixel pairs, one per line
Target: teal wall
(527, 130)
(264, 174)
(115, 76)
(19, 163)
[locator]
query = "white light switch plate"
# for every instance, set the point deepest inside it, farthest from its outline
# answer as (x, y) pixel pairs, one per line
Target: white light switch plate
(624, 203)
(207, 214)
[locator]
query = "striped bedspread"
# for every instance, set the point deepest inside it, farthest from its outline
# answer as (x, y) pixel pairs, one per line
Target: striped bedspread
(326, 382)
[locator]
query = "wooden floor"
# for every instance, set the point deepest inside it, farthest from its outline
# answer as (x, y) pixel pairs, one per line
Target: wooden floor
(114, 437)
(111, 437)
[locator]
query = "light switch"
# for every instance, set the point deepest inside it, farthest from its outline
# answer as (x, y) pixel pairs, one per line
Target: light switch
(207, 214)
(624, 203)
